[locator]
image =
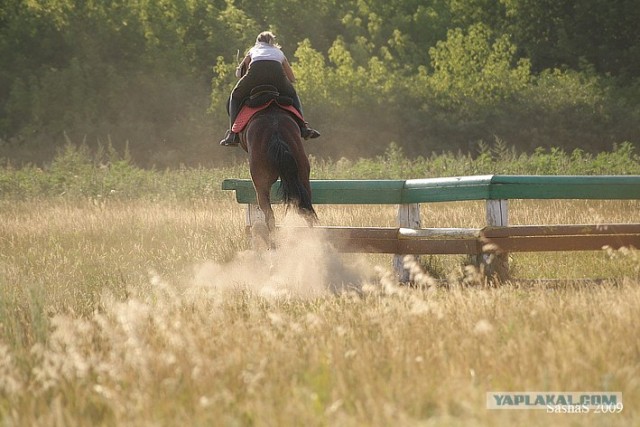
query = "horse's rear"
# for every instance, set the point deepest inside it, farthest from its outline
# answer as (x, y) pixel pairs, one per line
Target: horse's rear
(272, 140)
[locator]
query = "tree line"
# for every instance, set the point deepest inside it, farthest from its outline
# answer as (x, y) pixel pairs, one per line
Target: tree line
(428, 75)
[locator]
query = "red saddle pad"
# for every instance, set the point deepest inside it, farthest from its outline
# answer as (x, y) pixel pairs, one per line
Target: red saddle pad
(247, 112)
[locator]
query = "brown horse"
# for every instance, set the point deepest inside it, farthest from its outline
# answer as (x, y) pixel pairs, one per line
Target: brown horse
(272, 140)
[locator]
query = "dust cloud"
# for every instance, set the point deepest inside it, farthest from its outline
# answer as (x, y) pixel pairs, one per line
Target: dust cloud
(303, 264)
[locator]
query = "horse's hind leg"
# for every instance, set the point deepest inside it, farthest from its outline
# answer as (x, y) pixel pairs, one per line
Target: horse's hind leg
(264, 202)
(261, 231)
(263, 178)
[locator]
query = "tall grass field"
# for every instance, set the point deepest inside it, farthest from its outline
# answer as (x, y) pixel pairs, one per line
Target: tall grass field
(131, 297)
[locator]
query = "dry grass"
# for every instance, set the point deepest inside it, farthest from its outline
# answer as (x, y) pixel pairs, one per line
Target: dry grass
(146, 313)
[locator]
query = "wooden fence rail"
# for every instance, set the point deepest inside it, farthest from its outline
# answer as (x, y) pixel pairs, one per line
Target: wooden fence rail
(495, 239)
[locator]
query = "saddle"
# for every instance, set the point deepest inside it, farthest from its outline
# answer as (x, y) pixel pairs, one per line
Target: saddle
(260, 98)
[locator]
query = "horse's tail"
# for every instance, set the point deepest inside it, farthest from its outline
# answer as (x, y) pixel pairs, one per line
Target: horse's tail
(291, 188)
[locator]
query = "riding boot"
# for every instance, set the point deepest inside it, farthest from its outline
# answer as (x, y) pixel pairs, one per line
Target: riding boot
(233, 108)
(308, 133)
(305, 131)
(235, 105)
(230, 139)
(297, 104)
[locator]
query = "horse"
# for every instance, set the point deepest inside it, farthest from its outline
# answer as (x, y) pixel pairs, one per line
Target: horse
(272, 140)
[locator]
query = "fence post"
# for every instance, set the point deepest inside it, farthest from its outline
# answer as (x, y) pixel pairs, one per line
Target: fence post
(408, 217)
(496, 264)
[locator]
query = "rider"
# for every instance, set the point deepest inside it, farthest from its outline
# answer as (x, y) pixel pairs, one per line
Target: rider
(267, 65)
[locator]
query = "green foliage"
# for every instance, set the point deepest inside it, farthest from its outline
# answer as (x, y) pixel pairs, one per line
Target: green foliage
(472, 70)
(555, 34)
(310, 69)
(490, 159)
(430, 75)
(108, 175)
